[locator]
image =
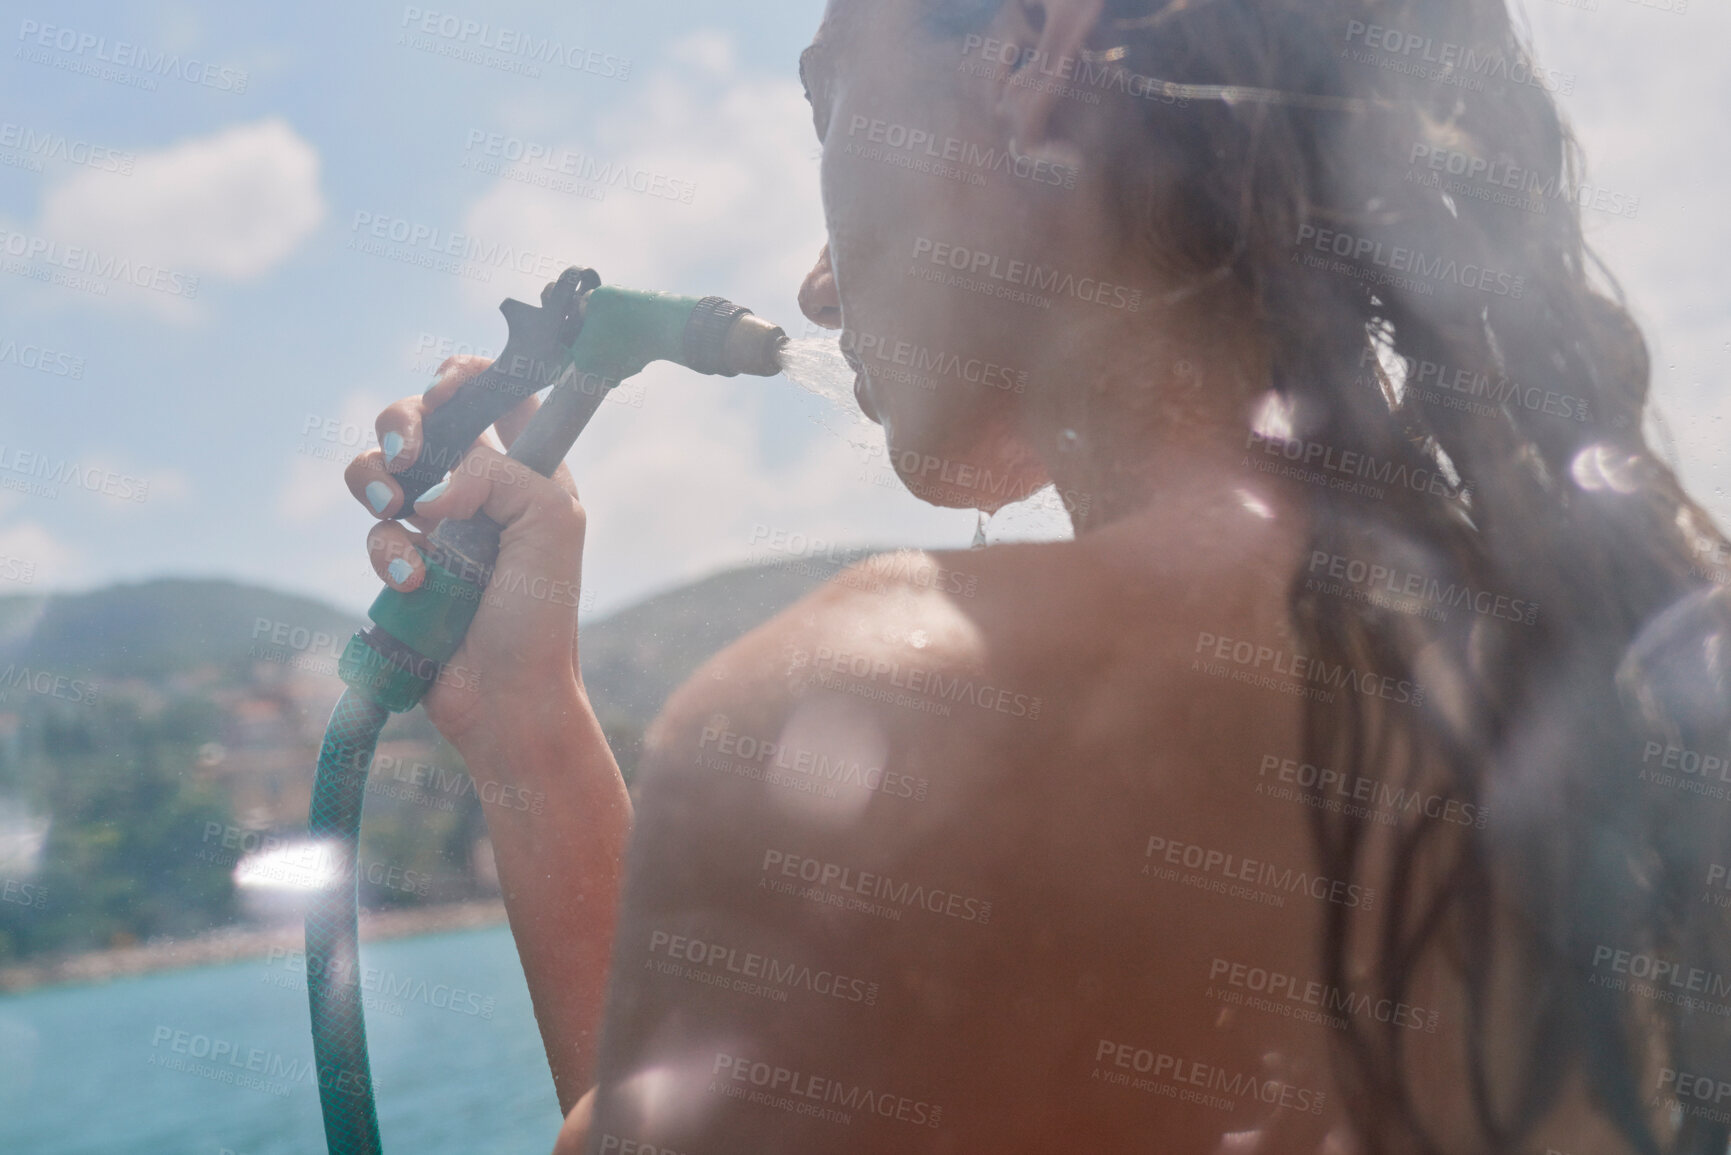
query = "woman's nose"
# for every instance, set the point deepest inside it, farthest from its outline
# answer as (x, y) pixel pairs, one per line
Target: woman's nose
(817, 296)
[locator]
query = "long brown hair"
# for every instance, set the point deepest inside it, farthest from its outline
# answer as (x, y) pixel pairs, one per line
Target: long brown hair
(1292, 124)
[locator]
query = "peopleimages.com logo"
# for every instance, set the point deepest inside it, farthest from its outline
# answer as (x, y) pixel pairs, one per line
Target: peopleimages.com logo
(982, 271)
(1397, 259)
(46, 683)
(42, 360)
(122, 54)
(465, 39)
(102, 269)
(1424, 56)
(37, 145)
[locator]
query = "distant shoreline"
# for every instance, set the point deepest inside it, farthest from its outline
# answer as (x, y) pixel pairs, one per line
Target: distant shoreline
(236, 944)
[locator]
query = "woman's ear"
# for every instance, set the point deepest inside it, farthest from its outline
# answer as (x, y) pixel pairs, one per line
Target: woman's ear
(1049, 36)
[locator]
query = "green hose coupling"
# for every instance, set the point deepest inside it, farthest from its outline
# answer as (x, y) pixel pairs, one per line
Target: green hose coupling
(395, 687)
(433, 617)
(414, 634)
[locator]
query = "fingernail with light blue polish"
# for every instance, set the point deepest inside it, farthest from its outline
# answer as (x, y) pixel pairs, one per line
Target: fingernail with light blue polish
(392, 445)
(434, 492)
(400, 570)
(378, 495)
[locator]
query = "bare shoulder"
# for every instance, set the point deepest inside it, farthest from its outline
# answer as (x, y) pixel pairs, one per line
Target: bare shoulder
(944, 786)
(1006, 656)
(908, 636)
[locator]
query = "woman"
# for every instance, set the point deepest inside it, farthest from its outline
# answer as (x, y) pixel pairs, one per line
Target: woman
(1329, 792)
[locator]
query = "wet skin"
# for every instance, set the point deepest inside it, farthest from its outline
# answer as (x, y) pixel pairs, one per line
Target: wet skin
(1053, 727)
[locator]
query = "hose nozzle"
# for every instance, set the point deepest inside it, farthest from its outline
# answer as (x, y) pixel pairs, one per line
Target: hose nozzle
(726, 340)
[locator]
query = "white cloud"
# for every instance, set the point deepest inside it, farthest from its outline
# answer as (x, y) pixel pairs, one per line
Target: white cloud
(169, 484)
(709, 50)
(676, 495)
(314, 487)
(743, 139)
(233, 204)
(115, 484)
(30, 556)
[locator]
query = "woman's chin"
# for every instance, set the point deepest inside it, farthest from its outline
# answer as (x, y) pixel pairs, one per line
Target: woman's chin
(958, 482)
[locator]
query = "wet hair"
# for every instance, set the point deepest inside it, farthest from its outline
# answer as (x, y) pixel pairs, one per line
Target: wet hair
(1461, 331)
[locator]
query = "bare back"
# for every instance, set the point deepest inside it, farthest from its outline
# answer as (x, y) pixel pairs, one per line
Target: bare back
(985, 851)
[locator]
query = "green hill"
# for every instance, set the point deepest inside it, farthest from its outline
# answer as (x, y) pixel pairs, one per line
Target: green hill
(635, 658)
(152, 630)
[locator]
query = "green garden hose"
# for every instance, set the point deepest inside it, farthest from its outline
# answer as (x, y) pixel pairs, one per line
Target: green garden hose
(583, 341)
(333, 970)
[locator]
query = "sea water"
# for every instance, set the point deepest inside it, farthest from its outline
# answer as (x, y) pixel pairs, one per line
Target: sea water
(114, 1069)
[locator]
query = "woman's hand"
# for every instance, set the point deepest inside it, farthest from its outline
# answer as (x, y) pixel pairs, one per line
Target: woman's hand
(522, 645)
(511, 701)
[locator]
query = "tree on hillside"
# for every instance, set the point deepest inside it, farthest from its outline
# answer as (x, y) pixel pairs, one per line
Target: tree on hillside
(128, 818)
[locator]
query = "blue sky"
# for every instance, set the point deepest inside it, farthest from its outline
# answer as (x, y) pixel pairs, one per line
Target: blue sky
(238, 406)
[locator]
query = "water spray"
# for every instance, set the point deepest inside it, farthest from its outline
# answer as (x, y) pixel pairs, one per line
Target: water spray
(581, 342)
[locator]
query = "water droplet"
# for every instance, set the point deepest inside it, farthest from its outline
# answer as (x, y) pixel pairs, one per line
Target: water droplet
(1068, 440)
